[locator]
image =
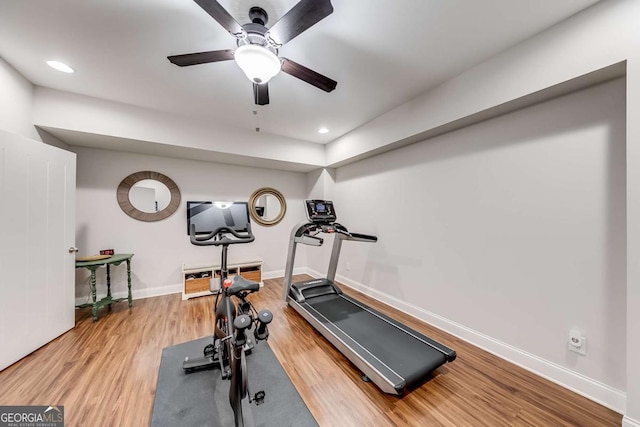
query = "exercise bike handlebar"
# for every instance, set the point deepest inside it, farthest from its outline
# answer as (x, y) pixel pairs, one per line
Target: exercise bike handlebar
(210, 238)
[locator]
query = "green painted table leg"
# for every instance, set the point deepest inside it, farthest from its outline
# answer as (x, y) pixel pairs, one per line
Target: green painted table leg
(108, 282)
(129, 281)
(92, 284)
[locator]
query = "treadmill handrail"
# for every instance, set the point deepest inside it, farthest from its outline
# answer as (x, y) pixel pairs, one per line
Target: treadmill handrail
(306, 239)
(357, 237)
(306, 233)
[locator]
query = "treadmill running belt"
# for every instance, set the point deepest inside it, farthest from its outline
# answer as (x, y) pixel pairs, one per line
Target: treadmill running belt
(403, 353)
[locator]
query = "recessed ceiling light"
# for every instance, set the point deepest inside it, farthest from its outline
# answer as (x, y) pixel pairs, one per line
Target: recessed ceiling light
(57, 65)
(323, 130)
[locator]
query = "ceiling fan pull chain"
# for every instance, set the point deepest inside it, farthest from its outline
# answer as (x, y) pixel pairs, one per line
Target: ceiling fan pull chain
(255, 113)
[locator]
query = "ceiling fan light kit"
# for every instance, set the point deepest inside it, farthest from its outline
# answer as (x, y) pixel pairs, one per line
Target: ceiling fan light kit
(258, 63)
(257, 52)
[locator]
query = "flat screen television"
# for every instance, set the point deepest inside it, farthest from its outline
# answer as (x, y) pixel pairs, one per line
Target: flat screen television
(207, 216)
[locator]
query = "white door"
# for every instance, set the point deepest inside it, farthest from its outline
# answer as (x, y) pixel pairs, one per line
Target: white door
(37, 228)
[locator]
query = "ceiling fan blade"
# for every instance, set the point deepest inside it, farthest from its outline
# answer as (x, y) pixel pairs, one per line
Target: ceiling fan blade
(201, 57)
(307, 75)
(261, 93)
(220, 14)
(301, 17)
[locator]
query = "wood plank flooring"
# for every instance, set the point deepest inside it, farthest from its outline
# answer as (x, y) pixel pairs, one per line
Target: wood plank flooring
(105, 373)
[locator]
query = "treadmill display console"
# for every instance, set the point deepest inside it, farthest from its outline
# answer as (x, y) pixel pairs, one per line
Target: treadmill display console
(320, 211)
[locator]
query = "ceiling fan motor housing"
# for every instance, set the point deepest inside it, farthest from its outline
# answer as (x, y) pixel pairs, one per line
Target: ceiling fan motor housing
(258, 15)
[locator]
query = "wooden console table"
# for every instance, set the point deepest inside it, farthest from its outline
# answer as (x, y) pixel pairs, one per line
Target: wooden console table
(116, 259)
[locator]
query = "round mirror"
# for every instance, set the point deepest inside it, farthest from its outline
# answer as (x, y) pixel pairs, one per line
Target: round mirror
(267, 206)
(148, 196)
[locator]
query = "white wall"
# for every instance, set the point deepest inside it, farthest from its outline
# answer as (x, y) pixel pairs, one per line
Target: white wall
(510, 233)
(16, 102)
(161, 247)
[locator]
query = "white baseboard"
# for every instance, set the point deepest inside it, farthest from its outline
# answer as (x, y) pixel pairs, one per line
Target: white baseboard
(173, 289)
(272, 274)
(280, 273)
(574, 381)
(629, 422)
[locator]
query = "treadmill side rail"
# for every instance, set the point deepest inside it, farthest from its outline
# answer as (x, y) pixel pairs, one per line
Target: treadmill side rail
(449, 354)
(382, 380)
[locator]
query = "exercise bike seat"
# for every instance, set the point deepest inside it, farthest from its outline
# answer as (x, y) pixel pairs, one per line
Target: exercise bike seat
(240, 284)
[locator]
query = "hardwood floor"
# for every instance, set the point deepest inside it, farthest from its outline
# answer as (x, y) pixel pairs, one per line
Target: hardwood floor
(105, 373)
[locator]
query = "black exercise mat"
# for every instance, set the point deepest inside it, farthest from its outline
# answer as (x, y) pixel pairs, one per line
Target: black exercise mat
(201, 399)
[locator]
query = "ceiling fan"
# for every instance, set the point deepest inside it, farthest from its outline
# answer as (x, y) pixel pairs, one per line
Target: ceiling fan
(257, 52)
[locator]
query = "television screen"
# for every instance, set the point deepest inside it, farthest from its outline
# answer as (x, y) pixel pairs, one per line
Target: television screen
(208, 216)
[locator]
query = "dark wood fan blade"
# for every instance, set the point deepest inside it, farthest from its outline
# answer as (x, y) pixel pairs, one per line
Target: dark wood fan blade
(261, 93)
(201, 57)
(301, 17)
(307, 75)
(221, 15)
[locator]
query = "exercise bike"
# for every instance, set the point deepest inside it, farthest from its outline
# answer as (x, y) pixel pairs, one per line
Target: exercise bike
(234, 313)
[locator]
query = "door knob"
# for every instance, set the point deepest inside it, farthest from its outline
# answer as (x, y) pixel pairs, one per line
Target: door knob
(73, 249)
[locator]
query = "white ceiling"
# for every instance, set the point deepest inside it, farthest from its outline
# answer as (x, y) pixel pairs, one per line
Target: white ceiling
(382, 53)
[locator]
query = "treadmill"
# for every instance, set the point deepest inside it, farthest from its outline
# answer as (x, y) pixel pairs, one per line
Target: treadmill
(392, 355)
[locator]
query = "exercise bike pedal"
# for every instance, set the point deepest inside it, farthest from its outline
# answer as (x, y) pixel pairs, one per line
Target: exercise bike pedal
(259, 397)
(248, 346)
(209, 350)
(198, 363)
(225, 373)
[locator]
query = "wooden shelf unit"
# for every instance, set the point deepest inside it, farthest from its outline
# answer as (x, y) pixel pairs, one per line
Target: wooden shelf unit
(204, 279)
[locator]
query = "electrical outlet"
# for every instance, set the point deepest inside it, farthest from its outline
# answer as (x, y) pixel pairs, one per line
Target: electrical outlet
(577, 342)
